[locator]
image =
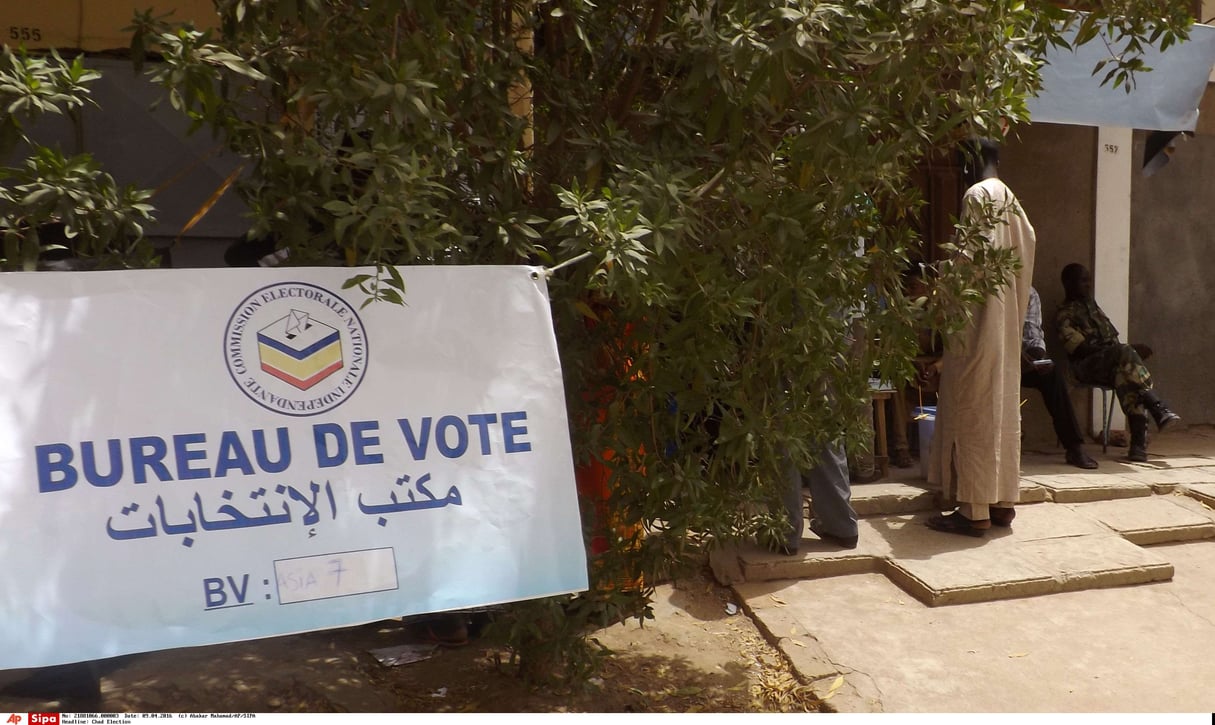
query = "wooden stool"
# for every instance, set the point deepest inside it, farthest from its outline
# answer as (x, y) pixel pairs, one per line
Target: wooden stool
(879, 394)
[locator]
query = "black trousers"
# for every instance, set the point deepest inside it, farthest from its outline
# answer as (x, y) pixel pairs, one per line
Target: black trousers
(1053, 387)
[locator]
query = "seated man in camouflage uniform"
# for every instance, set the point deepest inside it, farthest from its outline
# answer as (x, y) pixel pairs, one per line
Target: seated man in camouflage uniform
(1098, 358)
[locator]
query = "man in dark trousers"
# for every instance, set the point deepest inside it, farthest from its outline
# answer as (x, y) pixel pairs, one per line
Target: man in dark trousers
(834, 519)
(1039, 372)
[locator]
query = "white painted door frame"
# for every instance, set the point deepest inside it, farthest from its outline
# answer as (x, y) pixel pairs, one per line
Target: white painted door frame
(1112, 240)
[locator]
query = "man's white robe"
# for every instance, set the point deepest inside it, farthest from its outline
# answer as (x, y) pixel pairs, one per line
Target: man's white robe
(976, 446)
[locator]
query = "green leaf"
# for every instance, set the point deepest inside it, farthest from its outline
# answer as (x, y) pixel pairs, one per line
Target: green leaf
(391, 295)
(394, 278)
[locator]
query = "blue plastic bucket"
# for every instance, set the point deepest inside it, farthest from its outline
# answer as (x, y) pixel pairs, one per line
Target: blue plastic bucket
(926, 421)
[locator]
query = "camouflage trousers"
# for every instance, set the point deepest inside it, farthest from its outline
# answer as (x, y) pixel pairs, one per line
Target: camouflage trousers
(1118, 367)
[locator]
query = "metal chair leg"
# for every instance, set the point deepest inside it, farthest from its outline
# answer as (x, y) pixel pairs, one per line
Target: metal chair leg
(1107, 414)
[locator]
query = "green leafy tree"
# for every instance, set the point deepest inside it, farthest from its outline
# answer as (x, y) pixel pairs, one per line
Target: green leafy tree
(724, 190)
(48, 189)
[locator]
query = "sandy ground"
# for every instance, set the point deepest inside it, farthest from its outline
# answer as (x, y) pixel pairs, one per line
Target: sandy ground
(699, 653)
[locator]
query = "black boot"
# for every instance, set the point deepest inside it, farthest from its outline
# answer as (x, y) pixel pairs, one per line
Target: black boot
(1138, 448)
(1161, 414)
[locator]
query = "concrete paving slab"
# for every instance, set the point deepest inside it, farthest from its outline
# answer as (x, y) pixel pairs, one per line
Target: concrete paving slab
(877, 537)
(1114, 463)
(1028, 569)
(1032, 492)
(905, 490)
(883, 538)
(1056, 466)
(1085, 648)
(1089, 486)
(967, 575)
(893, 498)
(1173, 477)
(1155, 520)
(1050, 521)
(805, 653)
(1050, 549)
(1093, 562)
(1159, 461)
(815, 559)
(1202, 492)
(1130, 649)
(905, 493)
(1181, 443)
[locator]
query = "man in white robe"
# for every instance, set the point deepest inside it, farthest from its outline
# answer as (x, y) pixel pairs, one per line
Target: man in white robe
(976, 449)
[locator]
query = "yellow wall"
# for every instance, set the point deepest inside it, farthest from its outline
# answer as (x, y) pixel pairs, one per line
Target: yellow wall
(88, 24)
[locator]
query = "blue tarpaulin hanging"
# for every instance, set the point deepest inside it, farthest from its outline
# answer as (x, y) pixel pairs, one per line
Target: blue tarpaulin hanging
(1165, 99)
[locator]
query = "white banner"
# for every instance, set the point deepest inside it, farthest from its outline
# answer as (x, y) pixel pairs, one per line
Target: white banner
(190, 457)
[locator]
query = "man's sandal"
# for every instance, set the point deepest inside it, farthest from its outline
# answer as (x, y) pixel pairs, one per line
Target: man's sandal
(956, 523)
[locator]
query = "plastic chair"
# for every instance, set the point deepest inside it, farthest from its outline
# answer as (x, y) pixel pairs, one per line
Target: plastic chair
(1108, 400)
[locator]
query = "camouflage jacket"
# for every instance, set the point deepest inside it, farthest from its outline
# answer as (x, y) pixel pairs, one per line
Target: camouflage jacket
(1081, 321)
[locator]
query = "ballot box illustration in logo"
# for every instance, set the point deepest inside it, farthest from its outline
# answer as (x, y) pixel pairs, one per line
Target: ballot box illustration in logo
(299, 350)
(296, 348)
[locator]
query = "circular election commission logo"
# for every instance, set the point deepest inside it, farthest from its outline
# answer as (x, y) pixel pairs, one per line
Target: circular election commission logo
(296, 348)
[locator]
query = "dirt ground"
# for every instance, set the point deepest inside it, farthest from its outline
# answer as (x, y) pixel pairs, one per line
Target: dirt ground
(699, 654)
